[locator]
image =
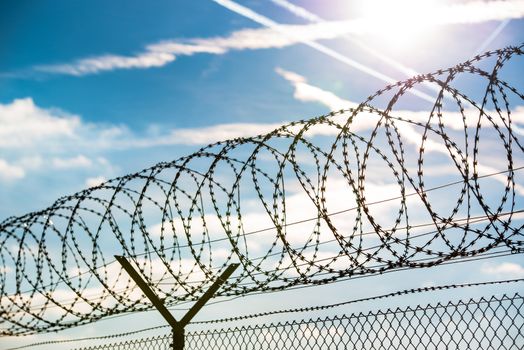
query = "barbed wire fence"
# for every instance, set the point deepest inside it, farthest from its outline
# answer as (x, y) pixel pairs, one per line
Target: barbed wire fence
(183, 222)
(493, 323)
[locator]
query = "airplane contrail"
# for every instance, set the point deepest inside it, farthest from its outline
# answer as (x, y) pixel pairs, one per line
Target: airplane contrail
(265, 21)
(492, 36)
(311, 17)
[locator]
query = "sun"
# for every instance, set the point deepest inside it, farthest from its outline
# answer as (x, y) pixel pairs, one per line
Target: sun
(401, 24)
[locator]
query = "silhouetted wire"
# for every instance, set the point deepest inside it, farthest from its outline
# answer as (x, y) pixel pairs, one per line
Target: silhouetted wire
(471, 220)
(283, 311)
(227, 299)
(329, 214)
(376, 297)
(168, 218)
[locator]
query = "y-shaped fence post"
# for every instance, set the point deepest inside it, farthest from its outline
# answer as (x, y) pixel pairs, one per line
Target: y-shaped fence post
(177, 326)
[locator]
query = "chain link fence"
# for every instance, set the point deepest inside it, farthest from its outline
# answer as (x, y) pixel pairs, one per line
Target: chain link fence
(494, 323)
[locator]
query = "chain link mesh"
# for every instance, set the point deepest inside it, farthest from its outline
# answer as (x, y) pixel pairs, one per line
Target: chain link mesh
(493, 323)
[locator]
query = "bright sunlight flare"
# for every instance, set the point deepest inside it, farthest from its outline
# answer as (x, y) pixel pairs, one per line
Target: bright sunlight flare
(401, 23)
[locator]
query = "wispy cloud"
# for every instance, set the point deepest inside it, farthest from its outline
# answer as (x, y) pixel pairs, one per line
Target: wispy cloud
(67, 139)
(164, 52)
(79, 161)
(206, 135)
(506, 269)
(362, 25)
(309, 93)
(23, 124)
(303, 91)
(275, 36)
(38, 139)
(33, 138)
(10, 172)
(110, 62)
(312, 17)
(95, 181)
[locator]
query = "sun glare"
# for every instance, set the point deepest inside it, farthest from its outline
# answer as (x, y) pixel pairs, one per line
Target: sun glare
(401, 24)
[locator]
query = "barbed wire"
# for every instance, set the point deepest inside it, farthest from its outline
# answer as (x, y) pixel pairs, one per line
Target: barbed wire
(186, 220)
(490, 254)
(376, 297)
(454, 222)
(275, 312)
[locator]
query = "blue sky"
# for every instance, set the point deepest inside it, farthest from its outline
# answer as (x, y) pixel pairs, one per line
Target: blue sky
(193, 91)
(94, 90)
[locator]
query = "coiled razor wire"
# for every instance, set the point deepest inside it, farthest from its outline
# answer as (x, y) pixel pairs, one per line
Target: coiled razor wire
(184, 221)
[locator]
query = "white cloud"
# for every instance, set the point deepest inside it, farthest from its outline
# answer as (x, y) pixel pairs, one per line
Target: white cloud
(79, 161)
(303, 91)
(71, 136)
(25, 127)
(42, 139)
(478, 11)
(30, 162)
(95, 181)
(206, 135)
(23, 124)
(110, 62)
(309, 93)
(9, 171)
(164, 52)
(365, 121)
(277, 36)
(198, 46)
(506, 269)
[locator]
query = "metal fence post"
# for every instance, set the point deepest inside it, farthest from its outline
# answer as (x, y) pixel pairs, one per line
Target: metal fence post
(178, 339)
(176, 326)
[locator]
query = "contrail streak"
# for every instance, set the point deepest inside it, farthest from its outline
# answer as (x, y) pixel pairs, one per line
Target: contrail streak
(306, 14)
(265, 21)
(492, 37)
